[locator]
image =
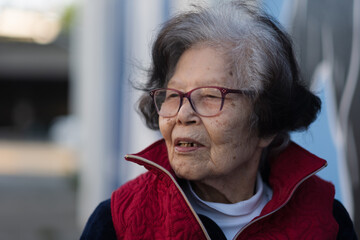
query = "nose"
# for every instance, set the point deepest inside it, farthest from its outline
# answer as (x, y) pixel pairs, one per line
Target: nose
(187, 114)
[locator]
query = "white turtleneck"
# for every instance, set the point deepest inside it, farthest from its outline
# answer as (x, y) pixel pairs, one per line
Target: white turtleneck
(231, 217)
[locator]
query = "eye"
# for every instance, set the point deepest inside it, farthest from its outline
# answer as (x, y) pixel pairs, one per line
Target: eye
(207, 95)
(212, 96)
(172, 95)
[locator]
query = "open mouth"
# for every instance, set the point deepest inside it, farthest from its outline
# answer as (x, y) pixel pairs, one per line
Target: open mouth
(187, 144)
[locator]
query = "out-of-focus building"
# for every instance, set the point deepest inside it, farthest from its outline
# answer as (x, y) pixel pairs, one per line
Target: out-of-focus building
(34, 70)
(37, 154)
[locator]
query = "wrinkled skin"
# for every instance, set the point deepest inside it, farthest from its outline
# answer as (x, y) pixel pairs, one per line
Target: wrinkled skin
(223, 164)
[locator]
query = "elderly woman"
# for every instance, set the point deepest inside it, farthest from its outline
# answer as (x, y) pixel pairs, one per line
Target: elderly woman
(225, 91)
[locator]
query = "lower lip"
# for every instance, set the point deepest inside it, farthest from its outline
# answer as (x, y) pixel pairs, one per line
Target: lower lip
(186, 149)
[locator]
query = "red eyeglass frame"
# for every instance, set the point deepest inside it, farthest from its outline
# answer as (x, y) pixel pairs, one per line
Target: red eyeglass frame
(224, 92)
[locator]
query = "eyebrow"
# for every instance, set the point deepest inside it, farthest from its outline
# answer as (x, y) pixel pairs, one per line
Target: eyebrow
(208, 82)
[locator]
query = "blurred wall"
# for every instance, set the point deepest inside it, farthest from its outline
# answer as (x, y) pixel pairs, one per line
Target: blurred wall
(103, 43)
(327, 33)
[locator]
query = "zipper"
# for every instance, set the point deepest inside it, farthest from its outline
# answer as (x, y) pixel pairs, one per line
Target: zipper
(287, 200)
(178, 187)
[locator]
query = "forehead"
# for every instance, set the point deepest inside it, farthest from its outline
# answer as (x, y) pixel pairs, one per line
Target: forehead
(202, 66)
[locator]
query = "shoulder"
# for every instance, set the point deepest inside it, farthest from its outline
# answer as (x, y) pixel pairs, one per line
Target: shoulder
(346, 227)
(316, 193)
(100, 225)
(129, 201)
(316, 186)
(340, 214)
(133, 187)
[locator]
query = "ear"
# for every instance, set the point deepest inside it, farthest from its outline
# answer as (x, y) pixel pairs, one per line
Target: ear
(265, 141)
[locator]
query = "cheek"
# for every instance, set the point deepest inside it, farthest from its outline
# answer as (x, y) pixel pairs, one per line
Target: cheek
(226, 129)
(166, 125)
(228, 136)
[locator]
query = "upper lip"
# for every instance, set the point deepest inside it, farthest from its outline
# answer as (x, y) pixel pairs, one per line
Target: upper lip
(188, 140)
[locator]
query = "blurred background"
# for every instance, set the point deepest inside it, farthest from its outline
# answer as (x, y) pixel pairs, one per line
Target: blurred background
(67, 107)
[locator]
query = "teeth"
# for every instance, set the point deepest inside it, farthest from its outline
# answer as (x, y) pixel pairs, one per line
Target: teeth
(187, 144)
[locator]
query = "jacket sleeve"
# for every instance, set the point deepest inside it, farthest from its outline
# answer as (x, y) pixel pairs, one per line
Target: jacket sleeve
(346, 227)
(100, 225)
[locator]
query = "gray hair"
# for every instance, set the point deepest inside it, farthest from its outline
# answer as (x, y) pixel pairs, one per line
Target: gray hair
(260, 57)
(235, 29)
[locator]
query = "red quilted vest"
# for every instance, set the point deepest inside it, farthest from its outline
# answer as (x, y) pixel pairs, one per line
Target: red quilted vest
(153, 206)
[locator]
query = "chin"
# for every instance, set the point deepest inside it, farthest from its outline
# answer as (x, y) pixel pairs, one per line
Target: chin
(191, 176)
(186, 168)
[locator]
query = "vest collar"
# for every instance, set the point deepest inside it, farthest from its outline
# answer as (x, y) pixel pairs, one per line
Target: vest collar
(287, 170)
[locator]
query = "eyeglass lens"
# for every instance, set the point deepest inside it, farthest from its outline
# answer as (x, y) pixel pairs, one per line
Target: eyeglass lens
(204, 101)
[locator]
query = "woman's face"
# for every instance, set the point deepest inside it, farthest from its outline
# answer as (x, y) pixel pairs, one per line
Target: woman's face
(221, 146)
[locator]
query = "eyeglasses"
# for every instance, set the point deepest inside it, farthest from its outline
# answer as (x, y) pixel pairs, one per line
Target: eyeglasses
(206, 101)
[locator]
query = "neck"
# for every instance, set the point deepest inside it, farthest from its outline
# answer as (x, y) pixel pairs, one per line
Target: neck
(235, 187)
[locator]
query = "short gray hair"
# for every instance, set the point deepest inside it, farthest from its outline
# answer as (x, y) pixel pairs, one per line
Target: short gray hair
(260, 56)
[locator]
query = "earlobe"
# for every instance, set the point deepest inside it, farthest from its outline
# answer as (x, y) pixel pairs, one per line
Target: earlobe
(265, 141)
